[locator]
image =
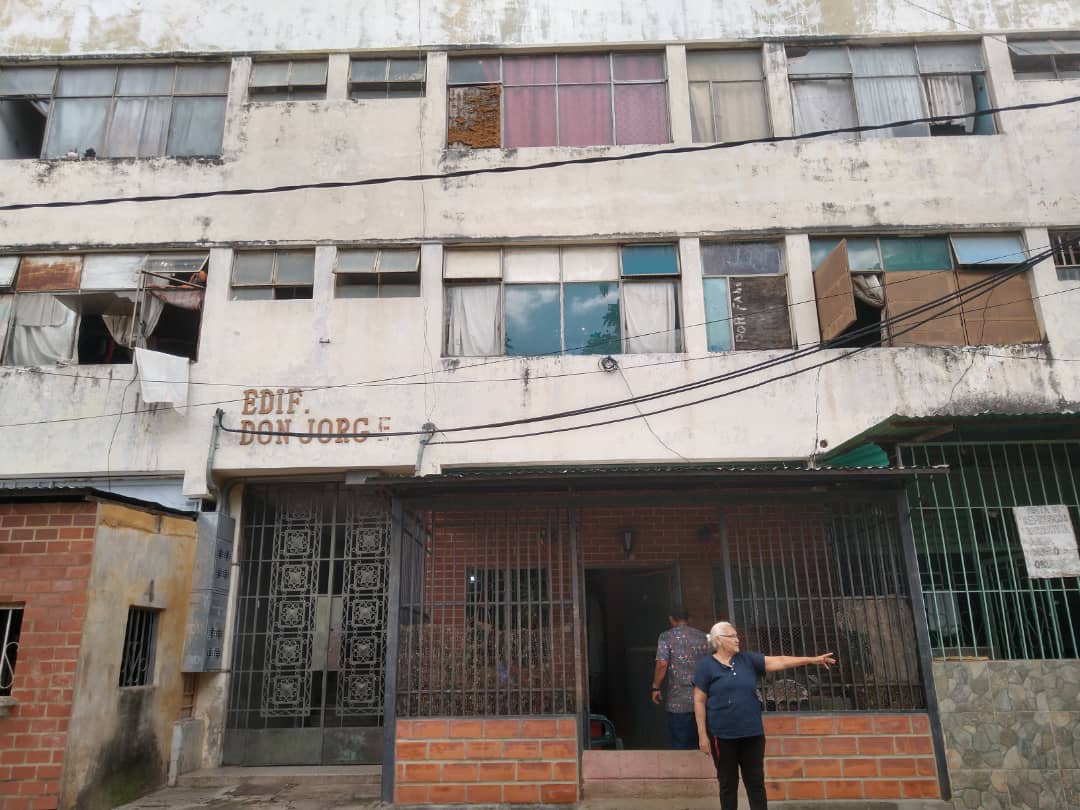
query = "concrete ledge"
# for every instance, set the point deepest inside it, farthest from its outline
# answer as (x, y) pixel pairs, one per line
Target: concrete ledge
(322, 775)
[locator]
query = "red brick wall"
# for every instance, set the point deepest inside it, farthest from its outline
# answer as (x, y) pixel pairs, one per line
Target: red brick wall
(879, 756)
(45, 553)
(479, 760)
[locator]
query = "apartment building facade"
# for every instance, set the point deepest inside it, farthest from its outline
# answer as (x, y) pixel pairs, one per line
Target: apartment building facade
(465, 339)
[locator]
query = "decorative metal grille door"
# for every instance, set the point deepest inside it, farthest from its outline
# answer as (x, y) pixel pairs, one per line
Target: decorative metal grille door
(309, 648)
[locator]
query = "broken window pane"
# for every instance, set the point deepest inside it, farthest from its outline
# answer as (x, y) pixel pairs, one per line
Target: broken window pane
(146, 80)
(591, 318)
(649, 260)
(717, 314)
(139, 127)
(197, 126)
(27, 81)
(532, 319)
(77, 125)
(86, 81)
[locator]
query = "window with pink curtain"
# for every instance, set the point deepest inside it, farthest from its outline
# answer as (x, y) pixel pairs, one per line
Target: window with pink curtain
(584, 68)
(529, 116)
(585, 115)
(641, 113)
(528, 70)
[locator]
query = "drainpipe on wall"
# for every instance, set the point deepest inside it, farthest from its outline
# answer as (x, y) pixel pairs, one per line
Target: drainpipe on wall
(429, 433)
(213, 490)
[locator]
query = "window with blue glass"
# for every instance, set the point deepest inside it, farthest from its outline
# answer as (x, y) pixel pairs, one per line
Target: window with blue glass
(589, 299)
(746, 303)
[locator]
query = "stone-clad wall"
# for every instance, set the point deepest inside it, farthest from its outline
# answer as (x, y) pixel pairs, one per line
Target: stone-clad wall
(1012, 732)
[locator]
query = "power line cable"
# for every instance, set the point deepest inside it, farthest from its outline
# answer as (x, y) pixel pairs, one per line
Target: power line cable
(551, 164)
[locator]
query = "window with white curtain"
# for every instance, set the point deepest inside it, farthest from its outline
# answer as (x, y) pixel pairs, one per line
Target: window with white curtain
(96, 308)
(588, 299)
(143, 110)
(838, 87)
(727, 95)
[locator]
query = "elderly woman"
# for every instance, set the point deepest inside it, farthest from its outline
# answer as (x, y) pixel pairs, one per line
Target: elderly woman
(728, 714)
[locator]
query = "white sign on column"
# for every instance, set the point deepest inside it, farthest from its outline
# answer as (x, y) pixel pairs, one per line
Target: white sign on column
(1049, 541)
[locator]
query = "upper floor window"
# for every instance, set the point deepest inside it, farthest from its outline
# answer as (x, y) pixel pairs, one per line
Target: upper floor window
(387, 78)
(1057, 58)
(838, 87)
(98, 307)
(377, 273)
(10, 627)
(113, 111)
(727, 95)
(140, 641)
(858, 280)
(745, 296)
(273, 274)
(292, 80)
(572, 300)
(1066, 245)
(579, 99)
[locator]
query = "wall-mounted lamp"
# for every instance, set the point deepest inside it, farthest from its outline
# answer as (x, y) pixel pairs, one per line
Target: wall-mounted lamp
(627, 538)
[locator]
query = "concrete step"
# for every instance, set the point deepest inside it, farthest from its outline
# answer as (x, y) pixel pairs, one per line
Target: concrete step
(310, 777)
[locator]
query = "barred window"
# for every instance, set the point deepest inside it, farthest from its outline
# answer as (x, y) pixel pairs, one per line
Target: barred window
(10, 625)
(140, 639)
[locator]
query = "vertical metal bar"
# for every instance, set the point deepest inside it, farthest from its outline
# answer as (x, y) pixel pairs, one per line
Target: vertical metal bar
(1047, 586)
(725, 555)
(393, 635)
(922, 642)
(1018, 591)
(580, 703)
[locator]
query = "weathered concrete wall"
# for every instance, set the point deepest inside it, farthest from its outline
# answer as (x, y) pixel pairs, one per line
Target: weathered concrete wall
(1012, 732)
(120, 738)
(135, 26)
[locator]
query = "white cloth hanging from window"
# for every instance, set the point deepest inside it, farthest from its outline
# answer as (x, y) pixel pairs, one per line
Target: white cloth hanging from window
(163, 377)
(473, 321)
(952, 95)
(43, 332)
(650, 310)
(895, 98)
(868, 289)
(120, 326)
(823, 104)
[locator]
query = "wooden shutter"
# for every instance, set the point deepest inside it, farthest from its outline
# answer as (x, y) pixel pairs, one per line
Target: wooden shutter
(474, 116)
(759, 312)
(907, 290)
(1002, 315)
(832, 288)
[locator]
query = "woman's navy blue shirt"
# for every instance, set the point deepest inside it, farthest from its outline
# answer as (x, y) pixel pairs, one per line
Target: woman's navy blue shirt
(732, 710)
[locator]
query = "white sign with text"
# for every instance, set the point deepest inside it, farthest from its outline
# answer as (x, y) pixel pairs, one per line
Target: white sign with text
(1049, 541)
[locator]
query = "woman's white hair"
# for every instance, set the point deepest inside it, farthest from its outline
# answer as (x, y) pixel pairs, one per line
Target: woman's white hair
(719, 629)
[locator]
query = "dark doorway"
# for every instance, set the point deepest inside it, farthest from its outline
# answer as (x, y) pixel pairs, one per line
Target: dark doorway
(627, 609)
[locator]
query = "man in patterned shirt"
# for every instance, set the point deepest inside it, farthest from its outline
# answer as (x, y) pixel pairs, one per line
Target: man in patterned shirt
(677, 653)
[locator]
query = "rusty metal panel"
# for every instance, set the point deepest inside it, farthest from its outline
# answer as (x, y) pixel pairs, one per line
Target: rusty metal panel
(475, 117)
(905, 291)
(832, 288)
(1002, 315)
(49, 273)
(759, 312)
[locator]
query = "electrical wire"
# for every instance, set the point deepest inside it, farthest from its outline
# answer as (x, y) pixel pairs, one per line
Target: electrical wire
(551, 164)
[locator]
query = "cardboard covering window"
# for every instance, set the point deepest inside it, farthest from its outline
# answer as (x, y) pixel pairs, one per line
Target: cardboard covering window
(906, 291)
(474, 117)
(835, 298)
(49, 273)
(1001, 316)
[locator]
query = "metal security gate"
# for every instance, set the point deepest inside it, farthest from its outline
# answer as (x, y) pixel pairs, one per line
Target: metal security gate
(309, 649)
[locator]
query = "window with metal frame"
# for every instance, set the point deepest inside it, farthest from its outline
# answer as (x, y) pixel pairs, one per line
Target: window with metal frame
(837, 87)
(981, 599)
(566, 99)
(273, 275)
(96, 308)
(133, 111)
(890, 276)
(393, 77)
(377, 273)
(288, 80)
(745, 296)
(562, 300)
(727, 95)
(1056, 58)
(1066, 245)
(11, 617)
(140, 643)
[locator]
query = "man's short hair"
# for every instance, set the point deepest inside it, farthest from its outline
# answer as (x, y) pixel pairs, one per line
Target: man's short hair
(679, 612)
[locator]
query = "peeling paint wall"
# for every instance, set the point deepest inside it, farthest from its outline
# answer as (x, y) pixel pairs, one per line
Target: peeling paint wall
(119, 738)
(137, 26)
